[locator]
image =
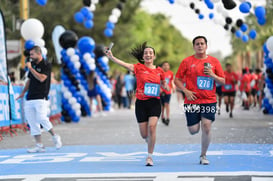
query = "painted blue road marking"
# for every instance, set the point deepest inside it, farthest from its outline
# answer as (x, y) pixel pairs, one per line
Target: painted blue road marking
(131, 159)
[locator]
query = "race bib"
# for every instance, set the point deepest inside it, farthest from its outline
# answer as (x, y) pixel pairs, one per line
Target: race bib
(205, 83)
(228, 86)
(151, 89)
(167, 80)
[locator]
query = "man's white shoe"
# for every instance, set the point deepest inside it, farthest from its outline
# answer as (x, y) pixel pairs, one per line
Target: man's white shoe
(36, 149)
(57, 141)
(204, 160)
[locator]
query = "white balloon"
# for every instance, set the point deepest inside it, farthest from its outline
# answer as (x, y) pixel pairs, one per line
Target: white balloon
(269, 44)
(75, 58)
(271, 55)
(44, 51)
(116, 12)
(268, 95)
(77, 65)
(72, 100)
(39, 42)
(105, 59)
(271, 101)
(78, 113)
(215, 1)
(95, 1)
(70, 51)
(92, 7)
(67, 95)
(87, 56)
(90, 61)
(32, 29)
(92, 66)
(113, 19)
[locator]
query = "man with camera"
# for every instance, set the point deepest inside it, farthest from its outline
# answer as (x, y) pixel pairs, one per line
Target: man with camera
(36, 105)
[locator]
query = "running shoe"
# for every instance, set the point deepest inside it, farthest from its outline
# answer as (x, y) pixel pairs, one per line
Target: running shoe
(36, 149)
(57, 141)
(167, 121)
(204, 160)
(230, 115)
(149, 162)
(163, 120)
(219, 111)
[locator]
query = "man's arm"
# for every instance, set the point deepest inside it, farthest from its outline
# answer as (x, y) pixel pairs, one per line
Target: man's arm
(24, 90)
(38, 76)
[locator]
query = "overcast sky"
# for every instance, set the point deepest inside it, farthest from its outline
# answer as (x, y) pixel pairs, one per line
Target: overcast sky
(187, 21)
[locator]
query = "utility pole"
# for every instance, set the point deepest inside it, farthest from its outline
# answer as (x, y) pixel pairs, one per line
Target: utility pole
(24, 14)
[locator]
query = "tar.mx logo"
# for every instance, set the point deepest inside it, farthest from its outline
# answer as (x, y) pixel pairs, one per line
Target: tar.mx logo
(111, 156)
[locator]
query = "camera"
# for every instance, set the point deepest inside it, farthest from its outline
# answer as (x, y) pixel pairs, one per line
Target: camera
(28, 59)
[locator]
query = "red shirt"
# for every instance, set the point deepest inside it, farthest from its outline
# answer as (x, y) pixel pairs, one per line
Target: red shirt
(196, 81)
(144, 76)
(259, 77)
(169, 80)
(230, 82)
(246, 79)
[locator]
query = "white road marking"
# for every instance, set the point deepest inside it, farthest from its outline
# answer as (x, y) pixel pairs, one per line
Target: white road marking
(262, 179)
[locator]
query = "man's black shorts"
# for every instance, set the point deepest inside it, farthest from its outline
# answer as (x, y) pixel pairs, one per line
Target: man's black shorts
(194, 112)
(165, 98)
(230, 94)
(147, 108)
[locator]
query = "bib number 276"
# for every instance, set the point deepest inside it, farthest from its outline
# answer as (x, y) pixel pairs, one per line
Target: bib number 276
(205, 83)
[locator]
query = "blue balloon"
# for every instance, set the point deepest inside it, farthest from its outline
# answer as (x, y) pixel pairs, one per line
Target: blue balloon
(89, 16)
(41, 2)
(88, 24)
(108, 32)
(29, 44)
(252, 34)
(238, 33)
(245, 38)
(244, 27)
(86, 44)
(209, 4)
(110, 25)
(79, 17)
(171, 1)
(265, 49)
(201, 16)
(85, 11)
(63, 52)
(244, 7)
(261, 21)
(260, 12)
(211, 16)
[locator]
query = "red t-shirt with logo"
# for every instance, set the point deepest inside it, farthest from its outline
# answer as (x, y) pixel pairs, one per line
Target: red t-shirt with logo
(230, 82)
(148, 81)
(246, 79)
(198, 82)
(169, 79)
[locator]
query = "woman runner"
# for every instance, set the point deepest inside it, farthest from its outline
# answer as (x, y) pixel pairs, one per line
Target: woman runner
(149, 78)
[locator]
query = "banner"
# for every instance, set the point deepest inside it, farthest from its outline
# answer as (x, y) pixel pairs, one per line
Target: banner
(4, 106)
(3, 57)
(58, 30)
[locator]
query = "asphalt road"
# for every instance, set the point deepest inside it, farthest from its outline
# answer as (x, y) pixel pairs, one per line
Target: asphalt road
(120, 127)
